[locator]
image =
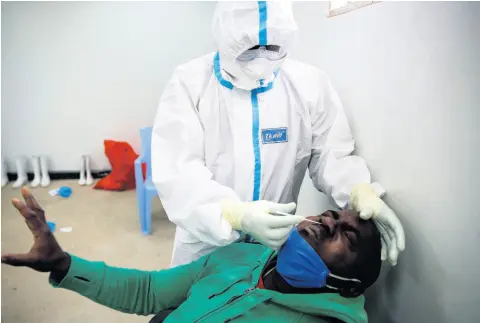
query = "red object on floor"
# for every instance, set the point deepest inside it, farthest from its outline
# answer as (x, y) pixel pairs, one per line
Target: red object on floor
(122, 158)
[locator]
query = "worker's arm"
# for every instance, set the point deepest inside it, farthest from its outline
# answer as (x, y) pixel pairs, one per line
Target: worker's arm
(129, 290)
(333, 168)
(345, 177)
(189, 194)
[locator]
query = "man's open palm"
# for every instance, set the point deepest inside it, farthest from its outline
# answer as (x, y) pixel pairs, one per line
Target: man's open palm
(45, 254)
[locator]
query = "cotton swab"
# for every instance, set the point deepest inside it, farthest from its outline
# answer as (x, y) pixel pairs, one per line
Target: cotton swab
(308, 220)
(304, 218)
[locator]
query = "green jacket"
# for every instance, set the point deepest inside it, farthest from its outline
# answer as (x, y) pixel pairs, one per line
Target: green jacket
(219, 287)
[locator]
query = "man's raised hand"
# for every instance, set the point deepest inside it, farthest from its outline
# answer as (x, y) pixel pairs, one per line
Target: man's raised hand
(45, 254)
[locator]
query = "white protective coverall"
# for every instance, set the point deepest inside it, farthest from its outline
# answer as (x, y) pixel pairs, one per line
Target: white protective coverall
(214, 138)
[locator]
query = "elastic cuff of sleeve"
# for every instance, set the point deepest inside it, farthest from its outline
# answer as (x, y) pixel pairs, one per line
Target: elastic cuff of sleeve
(232, 212)
(82, 277)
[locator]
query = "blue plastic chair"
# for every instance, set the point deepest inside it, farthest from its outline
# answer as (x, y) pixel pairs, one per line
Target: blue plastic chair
(145, 188)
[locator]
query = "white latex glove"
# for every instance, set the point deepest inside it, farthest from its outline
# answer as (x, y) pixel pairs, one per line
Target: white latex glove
(255, 219)
(364, 200)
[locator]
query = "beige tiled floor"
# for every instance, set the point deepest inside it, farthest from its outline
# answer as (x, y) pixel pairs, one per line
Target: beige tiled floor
(105, 227)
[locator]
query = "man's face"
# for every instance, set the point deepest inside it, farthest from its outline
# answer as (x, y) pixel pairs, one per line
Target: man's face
(337, 237)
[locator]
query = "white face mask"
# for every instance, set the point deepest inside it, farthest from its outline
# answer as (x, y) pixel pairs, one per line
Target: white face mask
(259, 68)
(247, 75)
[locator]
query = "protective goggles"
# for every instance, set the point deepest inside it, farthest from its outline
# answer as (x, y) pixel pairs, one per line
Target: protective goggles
(270, 52)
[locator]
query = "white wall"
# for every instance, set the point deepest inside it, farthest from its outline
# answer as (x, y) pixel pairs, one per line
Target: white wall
(408, 74)
(76, 73)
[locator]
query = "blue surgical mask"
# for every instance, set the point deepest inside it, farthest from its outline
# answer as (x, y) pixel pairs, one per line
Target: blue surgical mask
(300, 265)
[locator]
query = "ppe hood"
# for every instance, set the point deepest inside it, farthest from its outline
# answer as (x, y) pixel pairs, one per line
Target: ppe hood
(238, 26)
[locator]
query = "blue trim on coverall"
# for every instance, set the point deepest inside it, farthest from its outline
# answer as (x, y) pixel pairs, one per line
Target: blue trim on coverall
(262, 29)
(256, 141)
(218, 74)
(257, 173)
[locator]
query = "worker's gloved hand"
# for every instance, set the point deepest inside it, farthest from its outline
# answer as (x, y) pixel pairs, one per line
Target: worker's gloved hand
(364, 200)
(257, 219)
(45, 254)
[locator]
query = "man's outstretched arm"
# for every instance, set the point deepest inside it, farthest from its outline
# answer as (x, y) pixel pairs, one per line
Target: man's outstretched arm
(126, 290)
(129, 290)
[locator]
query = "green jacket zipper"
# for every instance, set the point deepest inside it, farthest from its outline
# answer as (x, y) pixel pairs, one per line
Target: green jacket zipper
(232, 284)
(231, 300)
(234, 298)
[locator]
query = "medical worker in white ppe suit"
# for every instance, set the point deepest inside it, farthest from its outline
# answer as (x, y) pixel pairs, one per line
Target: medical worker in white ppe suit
(236, 130)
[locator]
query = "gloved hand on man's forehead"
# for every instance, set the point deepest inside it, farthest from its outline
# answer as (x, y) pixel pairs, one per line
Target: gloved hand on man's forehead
(366, 199)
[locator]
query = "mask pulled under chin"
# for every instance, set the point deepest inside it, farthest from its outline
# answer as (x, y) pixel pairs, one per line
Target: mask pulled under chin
(300, 265)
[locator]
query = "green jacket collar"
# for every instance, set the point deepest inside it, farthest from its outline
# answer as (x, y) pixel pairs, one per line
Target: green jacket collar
(348, 310)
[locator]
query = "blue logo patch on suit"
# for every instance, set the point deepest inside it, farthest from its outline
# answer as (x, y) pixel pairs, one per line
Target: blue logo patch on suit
(274, 135)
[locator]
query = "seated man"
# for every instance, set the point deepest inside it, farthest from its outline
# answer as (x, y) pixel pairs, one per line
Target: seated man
(241, 282)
